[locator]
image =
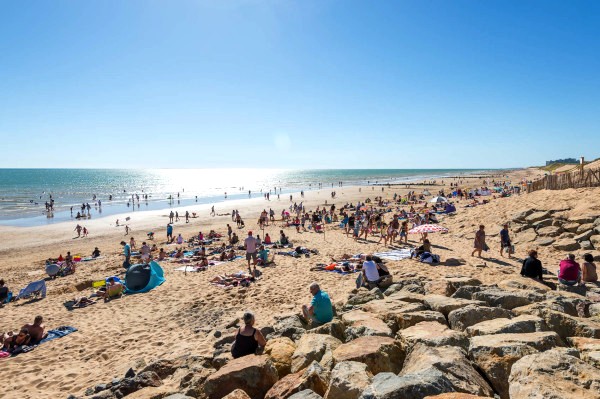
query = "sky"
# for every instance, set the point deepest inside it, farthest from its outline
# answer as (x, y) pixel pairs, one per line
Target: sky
(298, 84)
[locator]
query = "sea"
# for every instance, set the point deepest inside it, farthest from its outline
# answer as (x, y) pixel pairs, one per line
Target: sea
(24, 192)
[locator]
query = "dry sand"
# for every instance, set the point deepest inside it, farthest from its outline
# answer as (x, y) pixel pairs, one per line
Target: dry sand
(179, 316)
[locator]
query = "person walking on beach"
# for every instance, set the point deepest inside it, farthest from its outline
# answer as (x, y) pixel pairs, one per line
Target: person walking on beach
(177, 216)
(187, 217)
(85, 232)
(78, 230)
(229, 231)
(212, 211)
(126, 230)
(479, 243)
(250, 246)
(505, 241)
(171, 215)
(169, 233)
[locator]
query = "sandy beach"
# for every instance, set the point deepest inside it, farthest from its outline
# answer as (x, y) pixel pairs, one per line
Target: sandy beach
(181, 316)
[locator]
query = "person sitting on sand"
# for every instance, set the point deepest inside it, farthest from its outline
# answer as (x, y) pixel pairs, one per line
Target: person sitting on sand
(132, 244)
(96, 253)
(179, 253)
(145, 251)
(426, 247)
(154, 248)
(14, 342)
(532, 267)
(234, 239)
(36, 330)
(179, 239)
(162, 255)
(247, 338)
(203, 262)
(267, 239)
(69, 265)
(3, 293)
(589, 274)
(569, 272)
(112, 289)
(370, 271)
(231, 255)
(283, 240)
(263, 256)
(320, 310)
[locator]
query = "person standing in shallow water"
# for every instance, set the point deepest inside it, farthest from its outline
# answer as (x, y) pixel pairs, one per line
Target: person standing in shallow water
(479, 243)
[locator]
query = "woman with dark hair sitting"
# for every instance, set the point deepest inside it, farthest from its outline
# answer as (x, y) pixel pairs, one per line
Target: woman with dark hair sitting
(248, 338)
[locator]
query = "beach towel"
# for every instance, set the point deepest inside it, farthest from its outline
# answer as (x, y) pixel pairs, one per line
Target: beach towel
(33, 288)
(396, 254)
(90, 258)
(58, 332)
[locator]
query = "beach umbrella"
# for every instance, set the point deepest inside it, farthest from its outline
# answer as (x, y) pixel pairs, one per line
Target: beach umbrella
(438, 200)
(428, 228)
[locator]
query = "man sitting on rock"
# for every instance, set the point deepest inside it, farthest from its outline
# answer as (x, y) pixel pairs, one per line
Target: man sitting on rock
(569, 272)
(320, 310)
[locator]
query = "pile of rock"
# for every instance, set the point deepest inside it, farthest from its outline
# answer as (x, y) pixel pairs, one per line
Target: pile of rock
(554, 228)
(516, 339)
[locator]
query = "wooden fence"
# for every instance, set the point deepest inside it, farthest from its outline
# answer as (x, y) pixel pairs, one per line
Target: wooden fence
(578, 179)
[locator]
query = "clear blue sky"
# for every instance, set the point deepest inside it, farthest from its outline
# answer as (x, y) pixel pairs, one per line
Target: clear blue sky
(298, 84)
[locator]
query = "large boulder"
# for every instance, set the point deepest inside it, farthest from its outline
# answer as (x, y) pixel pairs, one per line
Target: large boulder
(537, 216)
(281, 350)
(520, 216)
(380, 354)
(412, 386)
(583, 236)
(363, 296)
(462, 318)
(508, 299)
(335, 328)
(453, 395)
(494, 355)
(452, 363)
(523, 283)
(253, 374)
(595, 240)
(314, 377)
(390, 309)
(445, 305)
(589, 349)
(360, 323)
(405, 320)
(313, 347)
(306, 394)
(553, 375)
(568, 305)
(543, 241)
(518, 325)
(467, 291)
(570, 326)
(571, 227)
(566, 244)
(237, 394)
(287, 326)
(549, 231)
(584, 227)
(348, 380)
(583, 219)
(431, 333)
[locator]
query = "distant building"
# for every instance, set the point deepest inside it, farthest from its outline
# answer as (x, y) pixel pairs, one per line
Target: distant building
(566, 160)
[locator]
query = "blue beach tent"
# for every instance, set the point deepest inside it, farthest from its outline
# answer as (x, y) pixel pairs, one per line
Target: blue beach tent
(143, 278)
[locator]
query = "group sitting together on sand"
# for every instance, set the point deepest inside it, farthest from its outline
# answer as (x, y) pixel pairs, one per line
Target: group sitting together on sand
(569, 273)
(12, 342)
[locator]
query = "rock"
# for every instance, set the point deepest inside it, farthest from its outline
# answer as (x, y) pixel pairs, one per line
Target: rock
(570, 326)
(584, 219)
(391, 386)
(406, 320)
(312, 347)
(542, 223)
(571, 227)
(457, 282)
(287, 326)
(586, 245)
(544, 241)
(462, 318)
(445, 304)
(523, 283)
(130, 373)
(585, 236)
(237, 394)
(452, 363)
(390, 308)
(526, 236)
(253, 374)
(281, 350)
(380, 354)
(537, 216)
(584, 228)
(589, 349)
(549, 231)
(348, 380)
(566, 244)
(520, 216)
(431, 333)
(401, 285)
(508, 299)
(360, 323)
(453, 395)
(518, 325)
(314, 378)
(576, 289)
(335, 328)
(561, 304)
(104, 395)
(494, 355)
(193, 381)
(221, 359)
(595, 240)
(363, 296)
(132, 384)
(553, 375)
(466, 291)
(306, 394)
(414, 288)
(594, 309)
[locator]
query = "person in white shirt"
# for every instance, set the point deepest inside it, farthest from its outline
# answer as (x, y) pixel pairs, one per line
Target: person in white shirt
(250, 245)
(371, 272)
(145, 251)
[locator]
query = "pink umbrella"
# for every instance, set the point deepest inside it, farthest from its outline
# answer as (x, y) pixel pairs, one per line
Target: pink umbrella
(428, 228)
